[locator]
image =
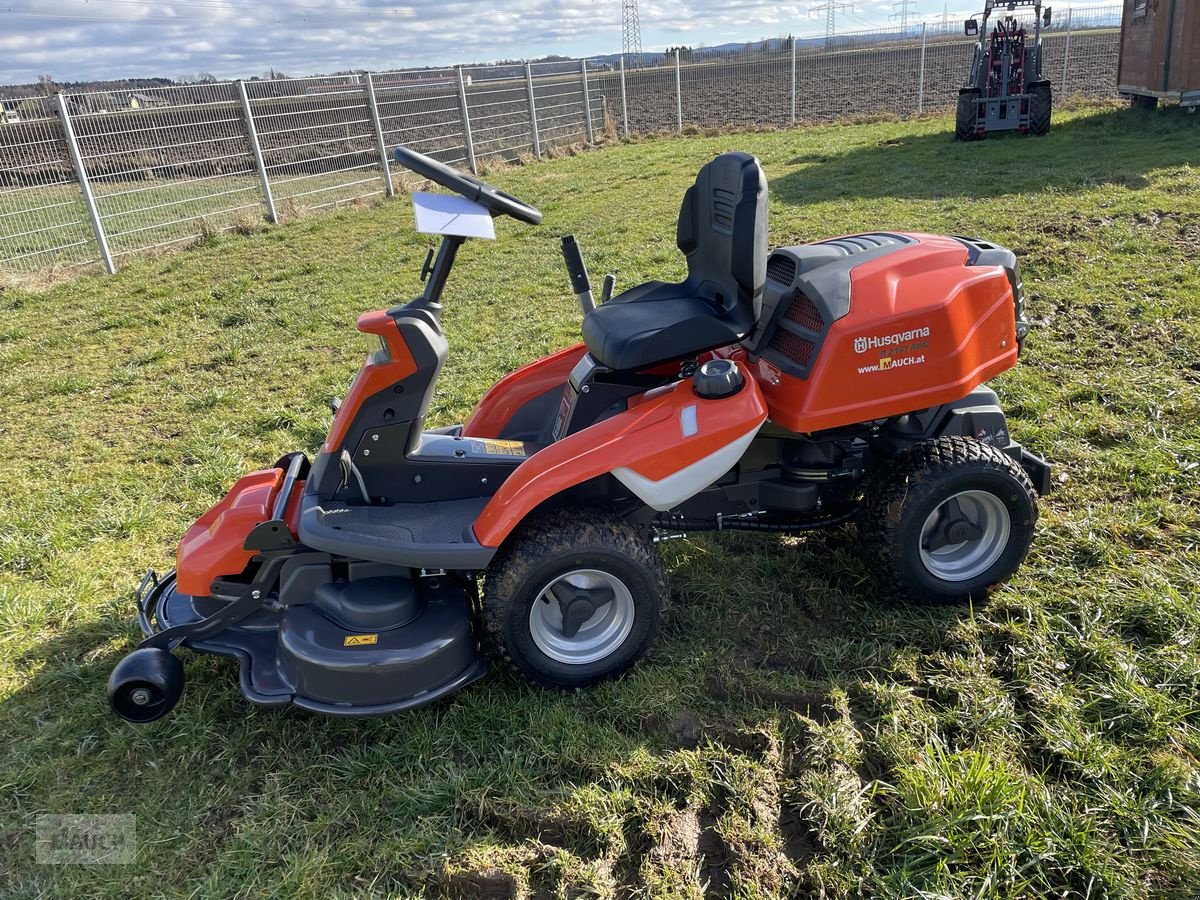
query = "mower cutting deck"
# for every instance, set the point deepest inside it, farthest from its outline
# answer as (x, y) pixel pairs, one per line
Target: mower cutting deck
(835, 381)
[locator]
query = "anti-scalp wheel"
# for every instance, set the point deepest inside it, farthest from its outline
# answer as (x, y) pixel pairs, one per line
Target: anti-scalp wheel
(574, 598)
(145, 685)
(947, 520)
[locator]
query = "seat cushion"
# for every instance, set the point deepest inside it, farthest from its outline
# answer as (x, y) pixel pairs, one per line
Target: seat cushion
(640, 333)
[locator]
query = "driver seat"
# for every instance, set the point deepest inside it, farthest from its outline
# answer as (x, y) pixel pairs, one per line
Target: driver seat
(723, 233)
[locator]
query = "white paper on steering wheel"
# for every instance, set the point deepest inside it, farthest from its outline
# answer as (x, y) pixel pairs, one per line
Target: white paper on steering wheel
(453, 215)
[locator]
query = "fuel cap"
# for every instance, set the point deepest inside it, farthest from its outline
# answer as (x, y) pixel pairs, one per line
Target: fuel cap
(717, 378)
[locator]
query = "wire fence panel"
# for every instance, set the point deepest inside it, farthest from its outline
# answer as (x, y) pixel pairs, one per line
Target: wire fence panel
(649, 91)
(858, 75)
(558, 94)
(166, 165)
(760, 79)
(419, 108)
(43, 219)
(498, 106)
(318, 141)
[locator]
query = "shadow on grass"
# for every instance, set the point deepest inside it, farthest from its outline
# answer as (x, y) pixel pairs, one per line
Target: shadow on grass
(1106, 147)
(764, 636)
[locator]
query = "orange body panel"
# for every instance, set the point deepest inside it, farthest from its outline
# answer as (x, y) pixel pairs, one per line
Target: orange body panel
(647, 438)
(374, 376)
(923, 329)
(215, 544)
(517, 388)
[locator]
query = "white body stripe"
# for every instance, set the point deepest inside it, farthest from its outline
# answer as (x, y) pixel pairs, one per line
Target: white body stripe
(688, 481)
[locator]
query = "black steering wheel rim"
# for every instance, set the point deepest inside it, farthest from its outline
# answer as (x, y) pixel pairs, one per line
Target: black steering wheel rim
(475, 190)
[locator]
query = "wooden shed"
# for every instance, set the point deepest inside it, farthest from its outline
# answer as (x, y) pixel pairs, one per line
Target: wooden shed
(1160, 52)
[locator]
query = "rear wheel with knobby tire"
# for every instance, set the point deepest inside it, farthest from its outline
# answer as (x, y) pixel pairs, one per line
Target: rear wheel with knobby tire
(574, 598)
(947, 520)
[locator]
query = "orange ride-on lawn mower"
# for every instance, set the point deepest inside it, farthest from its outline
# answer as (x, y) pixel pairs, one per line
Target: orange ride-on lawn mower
(776, 393)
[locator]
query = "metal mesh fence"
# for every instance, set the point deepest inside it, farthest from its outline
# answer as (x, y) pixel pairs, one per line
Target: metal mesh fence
(165, 165)
(318, 141)
(169, 166)
(43, 219)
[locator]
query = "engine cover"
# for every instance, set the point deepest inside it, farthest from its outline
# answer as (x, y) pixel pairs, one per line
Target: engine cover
(876, 325)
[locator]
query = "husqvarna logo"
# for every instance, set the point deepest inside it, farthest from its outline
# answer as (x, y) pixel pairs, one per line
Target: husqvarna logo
(864, 343)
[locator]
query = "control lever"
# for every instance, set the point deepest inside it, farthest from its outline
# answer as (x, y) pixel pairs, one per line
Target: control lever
(610, 281)
(577, 272)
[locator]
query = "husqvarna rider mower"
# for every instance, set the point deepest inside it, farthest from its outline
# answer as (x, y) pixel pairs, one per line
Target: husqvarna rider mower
(777, 392)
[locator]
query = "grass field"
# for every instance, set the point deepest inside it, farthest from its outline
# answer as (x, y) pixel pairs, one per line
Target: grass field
(794, 733)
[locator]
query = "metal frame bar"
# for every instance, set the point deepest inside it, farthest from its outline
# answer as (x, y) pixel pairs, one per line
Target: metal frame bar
(921, 76)
(793, 80)
(533, 122)
(256, 151)
(624, 105)
(678, 98)
(369, 83)
(466, 121)
(89, 198)
(587, 103)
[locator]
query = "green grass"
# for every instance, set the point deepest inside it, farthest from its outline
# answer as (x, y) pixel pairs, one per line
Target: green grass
(794, 733)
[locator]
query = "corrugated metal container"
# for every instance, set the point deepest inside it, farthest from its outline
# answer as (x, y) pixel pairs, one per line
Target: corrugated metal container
(1160, 51)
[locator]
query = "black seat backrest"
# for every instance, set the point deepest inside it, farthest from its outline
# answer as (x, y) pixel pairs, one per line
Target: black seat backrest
(723, 233)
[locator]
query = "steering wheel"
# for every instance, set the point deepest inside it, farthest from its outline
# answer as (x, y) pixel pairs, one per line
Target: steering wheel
(496, 201)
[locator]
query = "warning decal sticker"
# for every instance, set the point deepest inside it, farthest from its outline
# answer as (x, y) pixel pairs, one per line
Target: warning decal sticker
(498, 448)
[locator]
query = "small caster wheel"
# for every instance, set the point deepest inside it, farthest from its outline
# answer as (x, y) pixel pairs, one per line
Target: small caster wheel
(145, 685)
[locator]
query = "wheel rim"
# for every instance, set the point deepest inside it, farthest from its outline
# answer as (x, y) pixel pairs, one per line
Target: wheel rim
(965, 535)
(600, 635)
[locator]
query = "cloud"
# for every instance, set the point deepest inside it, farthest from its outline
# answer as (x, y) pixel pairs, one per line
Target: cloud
(93, 39)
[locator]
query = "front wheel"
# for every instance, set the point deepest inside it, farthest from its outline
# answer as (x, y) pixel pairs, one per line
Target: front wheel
(948, 520)
(575, 598)
(966, 116)
(1040, 104)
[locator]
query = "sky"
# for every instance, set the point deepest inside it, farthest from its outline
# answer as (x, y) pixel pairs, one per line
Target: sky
(74, 40)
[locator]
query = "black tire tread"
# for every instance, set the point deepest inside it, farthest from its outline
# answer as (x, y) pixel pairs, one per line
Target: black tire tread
(546, 535)
(965, 115)
(1041, 103)
(913, 472)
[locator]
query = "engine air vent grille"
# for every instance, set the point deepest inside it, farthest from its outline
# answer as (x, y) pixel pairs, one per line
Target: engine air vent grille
(781, 269)
(804, 312)
(794, 347)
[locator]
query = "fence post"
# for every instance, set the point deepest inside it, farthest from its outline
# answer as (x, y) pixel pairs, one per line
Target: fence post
(921, 76)
(678, 98)
(466, 120)
(1066, 55)
(624, 105)
(587, 102)
(89, 198)
(256, 151)
(793, 80)
(533, 125)
(373, 106)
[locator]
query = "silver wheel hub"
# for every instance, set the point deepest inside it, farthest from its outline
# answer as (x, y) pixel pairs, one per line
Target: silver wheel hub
(582, 617)
(965, 535)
